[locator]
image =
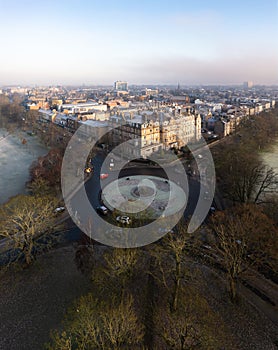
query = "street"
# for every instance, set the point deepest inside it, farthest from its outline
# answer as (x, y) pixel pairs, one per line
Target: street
(93, 186)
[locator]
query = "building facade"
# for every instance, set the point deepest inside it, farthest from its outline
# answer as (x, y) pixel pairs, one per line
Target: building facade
(120, 85)
(142, 135)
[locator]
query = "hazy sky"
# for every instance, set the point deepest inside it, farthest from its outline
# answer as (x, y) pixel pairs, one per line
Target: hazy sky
(143, 41)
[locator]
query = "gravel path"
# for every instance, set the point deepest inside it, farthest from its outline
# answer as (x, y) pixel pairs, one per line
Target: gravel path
(249, 327)
(33, 301)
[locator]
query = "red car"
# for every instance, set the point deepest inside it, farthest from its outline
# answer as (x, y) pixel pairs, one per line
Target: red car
(103, 176)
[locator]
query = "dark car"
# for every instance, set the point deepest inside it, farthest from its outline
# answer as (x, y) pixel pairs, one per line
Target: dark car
(102, 210)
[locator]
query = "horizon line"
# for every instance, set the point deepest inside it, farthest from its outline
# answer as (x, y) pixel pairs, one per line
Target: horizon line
(131, 85)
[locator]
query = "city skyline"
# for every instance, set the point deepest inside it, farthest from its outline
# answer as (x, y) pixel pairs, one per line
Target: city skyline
(158, 42)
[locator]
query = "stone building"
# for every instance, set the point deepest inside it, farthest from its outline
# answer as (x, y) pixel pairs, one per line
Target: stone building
(149, 132)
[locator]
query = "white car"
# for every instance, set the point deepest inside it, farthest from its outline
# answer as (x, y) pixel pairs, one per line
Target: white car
(123, 219)
(59, 210)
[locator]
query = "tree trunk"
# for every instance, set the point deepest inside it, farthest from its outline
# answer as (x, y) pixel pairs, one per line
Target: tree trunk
(177, 284)
(28, 253)
(149, 309)
(233, 292)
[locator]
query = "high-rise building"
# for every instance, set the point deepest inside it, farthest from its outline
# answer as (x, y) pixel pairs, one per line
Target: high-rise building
(248, 84)
(120, 85)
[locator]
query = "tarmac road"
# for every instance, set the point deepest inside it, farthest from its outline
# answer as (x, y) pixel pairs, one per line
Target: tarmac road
(93, 188)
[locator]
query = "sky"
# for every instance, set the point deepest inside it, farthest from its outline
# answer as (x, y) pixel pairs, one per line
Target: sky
(196, 42)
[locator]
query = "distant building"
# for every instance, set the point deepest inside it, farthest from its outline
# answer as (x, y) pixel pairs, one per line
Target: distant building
(180, 99)
(222, 128)
(150, 92)
(121, 85)
(82, 108)
(248, 84)
(95, 130)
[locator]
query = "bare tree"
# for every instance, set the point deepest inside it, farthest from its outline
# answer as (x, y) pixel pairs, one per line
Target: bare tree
(244, 177)
(193, 325)
(270, 208)
(119, 265)
(48, 168)
(121, 325)
(40, 187)
(244, 238)
(60, 341)
(260, 130)
(170, 261)
(92, 324)
(24, 219)
(232, 250)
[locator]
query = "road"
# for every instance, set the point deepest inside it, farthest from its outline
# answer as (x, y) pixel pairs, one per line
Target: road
(93, 188)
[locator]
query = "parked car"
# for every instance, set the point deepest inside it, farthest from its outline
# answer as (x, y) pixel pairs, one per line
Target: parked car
(102, 210)
(59, 210)
(88, 170)
(103, 176)
(213, 137)
(123, 219)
